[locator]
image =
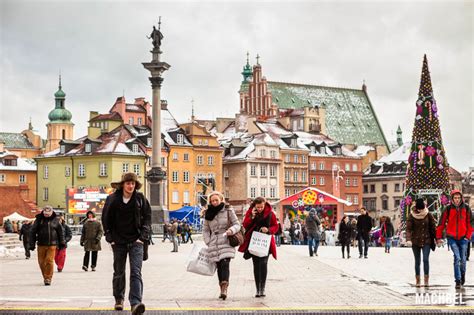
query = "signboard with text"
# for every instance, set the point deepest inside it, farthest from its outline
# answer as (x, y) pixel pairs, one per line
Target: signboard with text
(79, 201)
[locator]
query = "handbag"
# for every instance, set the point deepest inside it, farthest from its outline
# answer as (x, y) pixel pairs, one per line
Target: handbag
(199, 261)
(236, 239)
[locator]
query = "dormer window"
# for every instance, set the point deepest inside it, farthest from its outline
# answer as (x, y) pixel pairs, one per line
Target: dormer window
(180, 138)
(338, 151)
(62, 149)
(232, 151)
(293, 143)
(149, 142)
(322, 150)
(313, 149)
(135, 148)
(88, 148)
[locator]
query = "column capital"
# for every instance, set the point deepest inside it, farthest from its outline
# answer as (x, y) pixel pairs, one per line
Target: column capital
(156, 82)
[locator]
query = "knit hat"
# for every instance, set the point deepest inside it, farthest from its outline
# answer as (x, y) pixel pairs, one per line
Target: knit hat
(127, 177)
(420, 204)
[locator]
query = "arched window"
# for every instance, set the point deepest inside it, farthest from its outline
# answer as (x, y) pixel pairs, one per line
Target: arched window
(63, 134)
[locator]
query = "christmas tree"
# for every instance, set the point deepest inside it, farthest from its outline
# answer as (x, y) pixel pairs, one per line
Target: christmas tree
(427, 170)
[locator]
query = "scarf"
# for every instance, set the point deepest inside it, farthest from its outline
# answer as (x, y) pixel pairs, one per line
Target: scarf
(212, 211)
(419, 215)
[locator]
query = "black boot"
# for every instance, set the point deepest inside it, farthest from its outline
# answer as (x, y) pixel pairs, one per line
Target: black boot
(257, 285)
(463, 278)
(262, 289)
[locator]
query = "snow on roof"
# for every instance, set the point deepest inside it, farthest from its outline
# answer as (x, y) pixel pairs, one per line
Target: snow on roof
(52, 153)
(243, 154)
(22, 164)
(363, 150)
(399, 155)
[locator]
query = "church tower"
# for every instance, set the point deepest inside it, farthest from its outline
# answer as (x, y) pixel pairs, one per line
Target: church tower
(59, 126)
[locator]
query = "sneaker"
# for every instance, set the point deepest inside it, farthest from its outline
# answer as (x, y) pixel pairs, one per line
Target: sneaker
(458, 285)
(138, 309)
(118, 305)
(84, 268)
(92, 268)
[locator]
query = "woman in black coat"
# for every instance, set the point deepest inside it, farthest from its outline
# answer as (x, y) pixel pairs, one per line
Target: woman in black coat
(344, 237)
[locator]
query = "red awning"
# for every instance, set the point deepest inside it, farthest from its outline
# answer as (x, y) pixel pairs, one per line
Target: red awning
(313, 196)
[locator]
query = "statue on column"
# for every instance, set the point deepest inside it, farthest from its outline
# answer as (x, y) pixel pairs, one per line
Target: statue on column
(156, 38)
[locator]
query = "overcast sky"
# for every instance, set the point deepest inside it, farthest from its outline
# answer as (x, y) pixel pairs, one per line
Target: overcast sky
(99, 47)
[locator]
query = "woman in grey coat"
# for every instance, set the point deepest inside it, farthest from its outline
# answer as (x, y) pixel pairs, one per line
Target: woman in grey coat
(220, 222)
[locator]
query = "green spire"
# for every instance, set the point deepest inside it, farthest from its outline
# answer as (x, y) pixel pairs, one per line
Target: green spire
(247, 73)
(60, 114)
(399, 136)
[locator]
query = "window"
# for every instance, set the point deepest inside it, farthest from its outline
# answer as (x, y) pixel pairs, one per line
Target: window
(210, 175)
(321, 181)
(253, 192)
(263, 153)
(130, 121)
(200, 160)
(347, 167)
(124, 167)
(313, 149)
(397, 187)
(45, 171)
(263, 192)
(227, 194)
(321, 166)
(175, 197)
(372, 204)
(287, 158)
(253, 170)
(186, 176)
(295, 176)
(355, 182)
(396, 203)
(205, 142)
(135, 148)
(384, 187)
(303, 176)
(88, 147)
(356, 199)
(295, 158)
(293, 143)
(62, 149)
(180, 138)
(139, 121)
(322, 150)
(372, 188)
(82, 170)
(272, 192)
(149, 142)
(313, 166)
(103, 169)
(136, 169)
(313, 180)
(273, 154)
(199, 142)
(263, 170)
(226, 172)
(186, 197)
(287, 175)
(348, 198)
(303, 159)
(295, 191)
(366, 189)
(22, 178)
(354, 167)
(384, 203)
(348, 182)
(273, 171)
(287, 192)
(210, 160)
(174, 177)
(175, 156)
(163, 161)
(186, 157)
(45, 194)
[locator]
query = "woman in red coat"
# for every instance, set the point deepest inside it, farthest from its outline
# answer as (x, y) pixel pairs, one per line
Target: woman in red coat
(261, 218)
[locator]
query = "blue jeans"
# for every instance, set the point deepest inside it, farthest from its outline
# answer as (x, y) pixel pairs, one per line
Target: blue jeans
(278, 240)
(388, 242)
(313, 245)
(459, 248)
(426, 258)
(135, 254)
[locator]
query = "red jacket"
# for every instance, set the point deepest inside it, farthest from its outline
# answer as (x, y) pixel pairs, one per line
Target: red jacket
(458, 225)
(249, 226)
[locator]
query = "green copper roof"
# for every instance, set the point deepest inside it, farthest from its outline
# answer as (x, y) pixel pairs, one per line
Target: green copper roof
(60, 114)
(350, 118)
(247, 71)
(60, 94)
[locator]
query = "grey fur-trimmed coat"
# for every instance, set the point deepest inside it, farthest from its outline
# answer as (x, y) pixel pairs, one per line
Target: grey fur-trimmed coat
(218, 245)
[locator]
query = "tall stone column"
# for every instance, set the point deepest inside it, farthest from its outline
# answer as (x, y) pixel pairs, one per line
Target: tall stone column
(156, 175)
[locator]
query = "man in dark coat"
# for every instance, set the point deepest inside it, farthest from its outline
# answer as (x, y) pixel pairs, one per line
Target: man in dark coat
(126, 218)
(48, 233)
(25, 236)
(364, 226)
(312, 228)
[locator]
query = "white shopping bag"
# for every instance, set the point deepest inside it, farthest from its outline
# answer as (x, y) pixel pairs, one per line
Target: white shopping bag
(198, 261)
(259, 244)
